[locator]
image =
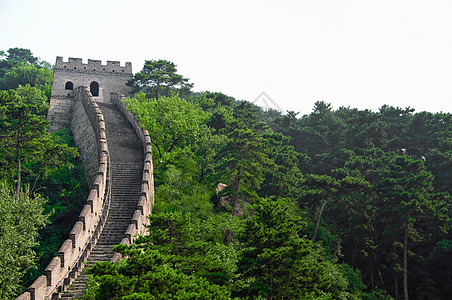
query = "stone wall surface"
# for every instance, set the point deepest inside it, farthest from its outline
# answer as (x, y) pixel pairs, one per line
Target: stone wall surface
(111, 77)
(59, 114)
(69, 262)
(80, 112)
(84, 135)
(146, 202)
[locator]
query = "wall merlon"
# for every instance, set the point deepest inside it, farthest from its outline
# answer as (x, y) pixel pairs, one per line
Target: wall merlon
(148, 149)
(103, 146)
(147, 166)
(93, 200)
(24, 296)
(103, 158)
(148, 157)
(112, 63)
(136, 218)
(142, 204)
(147, 139)
(146, 178)
(54, 271)
(95, 62)
(99, 185)
(85, 217)
(131, 231)
(145, 189)
(93, 65)
(38, 289)
(102, 170)
(75, 60)
(102, 134)
(75, 234)
(65, 253)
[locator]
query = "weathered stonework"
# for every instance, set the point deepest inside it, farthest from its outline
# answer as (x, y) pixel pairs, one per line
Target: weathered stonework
(80, 112)
(101, 80)
(84, 136)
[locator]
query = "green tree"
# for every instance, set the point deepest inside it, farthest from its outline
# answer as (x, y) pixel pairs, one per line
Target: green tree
(20, 67)
(21, 216)
(170, 263)
(277, 263)
(284, 179)
(243, 158)
(14, 57)
(172, 122)
(26, 73)
(205, 149)
(159, 78)
(405, 200)
(24, 136)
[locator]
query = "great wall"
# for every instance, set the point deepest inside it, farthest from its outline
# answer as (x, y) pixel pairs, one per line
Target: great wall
(117, 157)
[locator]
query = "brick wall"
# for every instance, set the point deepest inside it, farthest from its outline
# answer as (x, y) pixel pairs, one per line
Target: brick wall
(146, 203)
(67, 76)
(89, 127)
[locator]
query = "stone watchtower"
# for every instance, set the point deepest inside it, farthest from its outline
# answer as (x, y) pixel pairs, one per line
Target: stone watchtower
(100, 79)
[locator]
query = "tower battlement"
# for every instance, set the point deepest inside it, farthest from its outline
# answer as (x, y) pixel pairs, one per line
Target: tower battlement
(76, 65)
(101, 80)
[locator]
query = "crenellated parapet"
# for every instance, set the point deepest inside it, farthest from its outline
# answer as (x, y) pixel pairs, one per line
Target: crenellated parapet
(71, 256)
(93, 66)
(101, 80)
(88, 128)
(77, 88)
(145, 205)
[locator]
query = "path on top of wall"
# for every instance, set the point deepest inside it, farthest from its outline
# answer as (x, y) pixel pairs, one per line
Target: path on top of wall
(127, 160)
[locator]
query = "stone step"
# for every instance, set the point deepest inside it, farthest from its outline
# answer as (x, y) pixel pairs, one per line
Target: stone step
(126, 155)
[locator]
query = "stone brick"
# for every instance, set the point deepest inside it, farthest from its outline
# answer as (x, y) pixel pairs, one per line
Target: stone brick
(86, 217)
(24, 296)
(66, 254)
(54, 272)
(38, 290)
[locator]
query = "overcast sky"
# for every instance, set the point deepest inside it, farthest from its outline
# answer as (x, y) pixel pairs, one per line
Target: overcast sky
(355, 53)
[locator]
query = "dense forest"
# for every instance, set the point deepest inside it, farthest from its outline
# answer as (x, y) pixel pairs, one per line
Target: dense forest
(250, 203)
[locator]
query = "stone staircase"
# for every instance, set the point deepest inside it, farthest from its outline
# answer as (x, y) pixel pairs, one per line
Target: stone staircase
(126, 155)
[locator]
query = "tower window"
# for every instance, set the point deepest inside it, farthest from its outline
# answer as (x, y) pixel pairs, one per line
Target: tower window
(94, 88)
(69, 86)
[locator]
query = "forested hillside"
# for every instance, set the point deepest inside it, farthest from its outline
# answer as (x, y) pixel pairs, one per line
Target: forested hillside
(41, 181)
(337, 204)
(252, 204)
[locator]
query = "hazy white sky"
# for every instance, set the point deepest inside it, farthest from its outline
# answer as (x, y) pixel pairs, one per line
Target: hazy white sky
(356, 53)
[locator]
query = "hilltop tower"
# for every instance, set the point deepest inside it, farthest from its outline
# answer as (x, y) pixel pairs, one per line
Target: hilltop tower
(101, 80)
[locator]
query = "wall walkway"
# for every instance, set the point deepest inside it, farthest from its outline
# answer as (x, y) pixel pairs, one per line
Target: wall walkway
(101, 215)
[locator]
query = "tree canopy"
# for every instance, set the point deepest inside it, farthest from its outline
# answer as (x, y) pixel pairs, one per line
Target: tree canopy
(159, 78)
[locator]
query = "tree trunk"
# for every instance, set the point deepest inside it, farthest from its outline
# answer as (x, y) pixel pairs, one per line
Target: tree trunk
(318, 218)
(158, 89)
(16, 196)
(235, 200)
(396, 285)
(237, 187)
(405, 262)
(19, 167)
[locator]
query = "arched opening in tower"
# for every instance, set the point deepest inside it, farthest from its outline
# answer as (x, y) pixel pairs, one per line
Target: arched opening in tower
(69, 86)
(94, 88)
